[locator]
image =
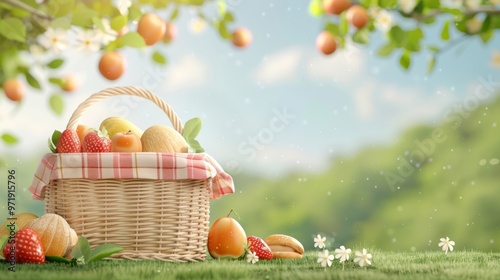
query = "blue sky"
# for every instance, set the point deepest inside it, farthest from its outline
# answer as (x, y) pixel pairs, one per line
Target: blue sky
(276, 106)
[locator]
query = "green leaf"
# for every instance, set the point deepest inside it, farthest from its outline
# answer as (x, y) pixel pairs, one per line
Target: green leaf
(56, 103)
(332, 28)
(174, 14)
(434, 49)
(316, 8)
(390, 4)
(486, 36)
(344, 25)
(9, 138)
(53, 140)
(82, 249)
(59, 8)
(192, 128)
(159, 58)
(190, 2)
(445, 32)
(223, 32)
(62, 23)
(118, 22)
(58, 259)
(195, 146)
(3, 241)
(134, 40)
(397, 35)
(431, 65)
(103, 251)
(56, 81)
(412, 39)
(361, 36)
(98, 23)
(83, 17)
(386, 50)
(405, 60)
(13, 29)
(56, 63)
(32, 81)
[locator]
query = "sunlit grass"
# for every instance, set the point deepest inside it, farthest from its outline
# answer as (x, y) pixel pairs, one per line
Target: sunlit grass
(386, 265)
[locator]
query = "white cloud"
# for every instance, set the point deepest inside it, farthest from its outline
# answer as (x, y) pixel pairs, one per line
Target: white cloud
(280, 67)
(363, 98)
(189, 72)
(343, 66)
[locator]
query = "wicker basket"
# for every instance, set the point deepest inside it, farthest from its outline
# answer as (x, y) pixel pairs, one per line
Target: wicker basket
(151, 219)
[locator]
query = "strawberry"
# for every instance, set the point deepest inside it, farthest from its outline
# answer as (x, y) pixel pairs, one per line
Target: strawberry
(69, 142)
(95, 142)
(25, 247)
(259, 247)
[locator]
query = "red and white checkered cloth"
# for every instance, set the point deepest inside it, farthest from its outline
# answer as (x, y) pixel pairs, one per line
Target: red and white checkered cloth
(146, 165)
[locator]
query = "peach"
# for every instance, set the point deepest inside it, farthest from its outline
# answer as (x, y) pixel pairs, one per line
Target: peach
(126, 142)
(226, 238)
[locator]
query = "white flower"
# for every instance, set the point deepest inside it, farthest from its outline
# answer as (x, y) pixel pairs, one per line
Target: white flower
(325, 258)
(197, 25)
(122, 6)
(446, 244)
(108, 34)
(473, 25)
(87, 41)
(472, 4)
(252, 257)
(342, 253)
(54, 40)
(363, 258)
(407, 6)
(495, 59)
(452, 3)
(319, 242)
(383, 19)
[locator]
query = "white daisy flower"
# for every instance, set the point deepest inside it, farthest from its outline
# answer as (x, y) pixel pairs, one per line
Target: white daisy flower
(87, 41)
(325, 258)
(363, 258)
(319, 242)
(446, 244)
(54, 40)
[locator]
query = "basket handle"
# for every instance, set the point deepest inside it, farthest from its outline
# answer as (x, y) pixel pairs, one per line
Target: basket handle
(125, 90)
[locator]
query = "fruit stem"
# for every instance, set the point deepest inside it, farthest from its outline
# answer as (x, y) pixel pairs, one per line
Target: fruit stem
(232, 211)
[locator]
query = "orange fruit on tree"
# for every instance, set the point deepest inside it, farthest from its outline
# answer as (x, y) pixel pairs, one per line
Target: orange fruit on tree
(69, 83)
(151, 27)
(241, 37)
(14, 89)
(335, 7)
(112, 65)
(326, 43)
(170, 32)
(357, 16)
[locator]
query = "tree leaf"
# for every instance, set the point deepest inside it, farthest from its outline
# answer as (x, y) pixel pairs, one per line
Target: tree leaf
(223, 32)
(56, 103)
(332, 28)
(361, 37)
(9, 139)
(83, 17)
(431, 64)
(343, 25)
(58, 259)
(118, 22)
(405, 60)
(159, 58)
(445, 32)
(56, 81)
(56, 63)
(82, 249)
(62, 23)
(13, 29)
(174, 15)
(32, 81)
(316, 8)
(397, 35)
(386, 50)
(194, 146)
(192, 128)
(103, 251)
(134, 40)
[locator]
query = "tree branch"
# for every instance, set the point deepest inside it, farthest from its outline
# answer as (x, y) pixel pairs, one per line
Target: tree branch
(28, 8)
(489, 10)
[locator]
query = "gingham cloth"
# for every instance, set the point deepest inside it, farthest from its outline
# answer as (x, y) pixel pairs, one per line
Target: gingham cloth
(146, 165)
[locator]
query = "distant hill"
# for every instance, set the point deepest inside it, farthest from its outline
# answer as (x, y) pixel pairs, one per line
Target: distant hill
(436, 181)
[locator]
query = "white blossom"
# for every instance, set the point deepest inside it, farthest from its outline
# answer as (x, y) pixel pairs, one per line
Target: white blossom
(87, 41)
(342, 253)
(407, 6)
(252, 257)
(108, 34)
(363, 258)
(122, 6)
(383, 19)
(325, 258)
(197, 25)
(54, 40)
(446, 244)
(319, 242)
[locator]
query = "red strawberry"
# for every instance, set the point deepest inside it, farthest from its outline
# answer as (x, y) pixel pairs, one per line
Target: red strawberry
(259, 247)
(69, 142)
(25, 248)
(94, 142)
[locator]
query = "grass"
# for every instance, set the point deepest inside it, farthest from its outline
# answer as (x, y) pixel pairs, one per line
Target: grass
(386, 265)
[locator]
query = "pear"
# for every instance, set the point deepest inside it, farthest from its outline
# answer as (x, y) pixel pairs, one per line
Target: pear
(115, 125)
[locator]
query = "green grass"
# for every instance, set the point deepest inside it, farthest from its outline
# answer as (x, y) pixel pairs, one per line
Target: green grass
(386, 265)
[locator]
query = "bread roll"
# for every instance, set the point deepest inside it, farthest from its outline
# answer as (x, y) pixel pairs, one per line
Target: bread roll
(55, 233)
(284, 246)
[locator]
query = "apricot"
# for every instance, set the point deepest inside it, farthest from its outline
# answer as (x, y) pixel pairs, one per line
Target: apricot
(335, 7)
(14, 89)
(126, 142)
(81, 131)
(357, 16)
(170, 32)
(226, 238)
(326, 43)
(241, 37)
(151, 27)
(112, 65)
(69, 83)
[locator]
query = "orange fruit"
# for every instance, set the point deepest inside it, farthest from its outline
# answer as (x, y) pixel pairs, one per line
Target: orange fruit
(14, 89)
(335, 7)
(226, 238)
(54, 232)
(326, 43)
(112, 65)
(21, 220)
(151, 27)
(126, 142)
(81, 131)
(69, 83)
(241, 37)
(357, 16)
(170, 32)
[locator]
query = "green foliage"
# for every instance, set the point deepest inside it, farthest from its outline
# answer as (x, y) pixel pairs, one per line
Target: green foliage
(398, 36)
(403, 196)
(190, 132)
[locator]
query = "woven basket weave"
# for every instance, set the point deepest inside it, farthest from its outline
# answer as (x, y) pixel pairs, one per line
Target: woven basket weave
(151, 219)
